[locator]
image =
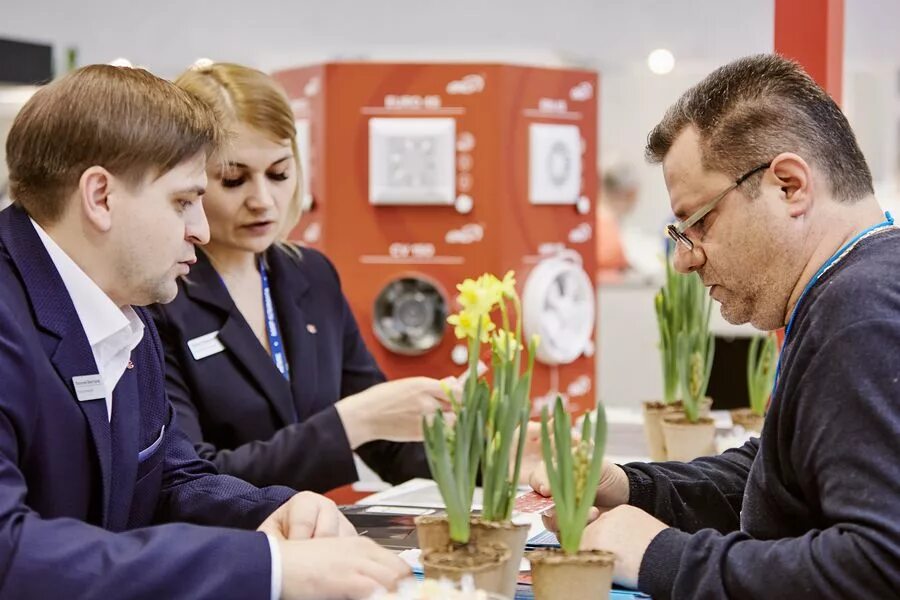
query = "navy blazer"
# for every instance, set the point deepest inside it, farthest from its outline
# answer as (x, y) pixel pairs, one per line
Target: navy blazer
(239, 409)
(78, 492)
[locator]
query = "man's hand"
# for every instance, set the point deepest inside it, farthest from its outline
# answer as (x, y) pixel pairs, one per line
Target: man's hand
(338, 568)
(307, 515)
(612, 491)
(551, 524)
(625, 531)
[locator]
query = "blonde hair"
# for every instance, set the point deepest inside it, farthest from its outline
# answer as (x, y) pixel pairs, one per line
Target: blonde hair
(240, 94)
(128, 121)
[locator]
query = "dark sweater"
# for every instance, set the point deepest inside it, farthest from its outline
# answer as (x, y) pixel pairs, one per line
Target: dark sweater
(812, 510)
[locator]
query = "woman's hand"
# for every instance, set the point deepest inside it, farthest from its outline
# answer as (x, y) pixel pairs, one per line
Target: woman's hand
(393, 410)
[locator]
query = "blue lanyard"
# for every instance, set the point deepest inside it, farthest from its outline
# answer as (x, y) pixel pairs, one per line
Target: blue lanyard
(889, 221)
(275, 345)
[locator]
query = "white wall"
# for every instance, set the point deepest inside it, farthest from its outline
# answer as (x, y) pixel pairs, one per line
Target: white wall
(168, 35)
(11, 100)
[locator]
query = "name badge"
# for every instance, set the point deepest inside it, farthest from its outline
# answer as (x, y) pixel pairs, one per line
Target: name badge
(205, 345)
(89, 387)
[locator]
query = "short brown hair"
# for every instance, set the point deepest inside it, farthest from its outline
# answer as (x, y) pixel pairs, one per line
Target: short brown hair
(128, 121)
(240, 94)
(754, 108)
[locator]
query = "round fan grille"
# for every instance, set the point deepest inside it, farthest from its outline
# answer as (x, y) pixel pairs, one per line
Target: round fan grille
(559, 305)
(410, 315)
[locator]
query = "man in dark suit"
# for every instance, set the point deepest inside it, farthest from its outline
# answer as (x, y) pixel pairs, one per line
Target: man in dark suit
(101, 495)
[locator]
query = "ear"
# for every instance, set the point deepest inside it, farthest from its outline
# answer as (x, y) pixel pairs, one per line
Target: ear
(793, 175)
(94, 188)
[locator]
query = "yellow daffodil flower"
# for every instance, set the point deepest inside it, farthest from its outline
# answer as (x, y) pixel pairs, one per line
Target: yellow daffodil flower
(474, 297)
(508, 285)
(499, 344)
(465, 325)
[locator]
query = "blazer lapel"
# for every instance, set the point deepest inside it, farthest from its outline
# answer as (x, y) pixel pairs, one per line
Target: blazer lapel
(68, 347)
(126, 439)
(289, 286)
(205, 285)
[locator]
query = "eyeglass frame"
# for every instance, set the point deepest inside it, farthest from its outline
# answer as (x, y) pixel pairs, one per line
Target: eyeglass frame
(676, 230)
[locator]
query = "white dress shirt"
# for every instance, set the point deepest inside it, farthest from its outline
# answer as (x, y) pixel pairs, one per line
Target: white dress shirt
(113, 333)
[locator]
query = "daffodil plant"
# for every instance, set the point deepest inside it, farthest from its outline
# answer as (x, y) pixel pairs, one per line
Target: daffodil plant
(573, 471)
(488, 414)
(669, 304)
(761, 364)
(694, 345)
(509, 407)
(453, 449)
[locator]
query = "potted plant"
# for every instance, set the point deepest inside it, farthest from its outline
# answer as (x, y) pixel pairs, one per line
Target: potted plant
(509, 408)
(691, 433)
(487, 418)
(573, 474)
(453, 449)
(761, 362)
(672, 304)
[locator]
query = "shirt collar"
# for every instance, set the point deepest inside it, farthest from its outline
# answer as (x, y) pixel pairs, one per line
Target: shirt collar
(99, 315)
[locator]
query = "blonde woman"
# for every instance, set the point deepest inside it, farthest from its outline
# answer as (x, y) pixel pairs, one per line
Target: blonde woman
(265, 364)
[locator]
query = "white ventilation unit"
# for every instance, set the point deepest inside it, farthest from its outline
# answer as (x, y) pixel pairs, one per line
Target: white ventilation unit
(558, 304)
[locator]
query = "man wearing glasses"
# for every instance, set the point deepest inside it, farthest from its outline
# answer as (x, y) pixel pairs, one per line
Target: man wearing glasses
(776, 213)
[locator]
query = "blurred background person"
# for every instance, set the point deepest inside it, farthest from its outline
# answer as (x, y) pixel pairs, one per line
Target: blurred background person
(624, 249)
(618, 194)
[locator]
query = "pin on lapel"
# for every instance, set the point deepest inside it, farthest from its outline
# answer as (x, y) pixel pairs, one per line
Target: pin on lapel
(312, 329)
(130, 365)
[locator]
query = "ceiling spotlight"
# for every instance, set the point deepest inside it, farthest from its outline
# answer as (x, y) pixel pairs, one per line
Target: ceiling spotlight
(121, 62)
(661, 61)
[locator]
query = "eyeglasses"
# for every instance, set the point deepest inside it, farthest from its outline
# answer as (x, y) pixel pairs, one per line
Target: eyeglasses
(676, 230)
